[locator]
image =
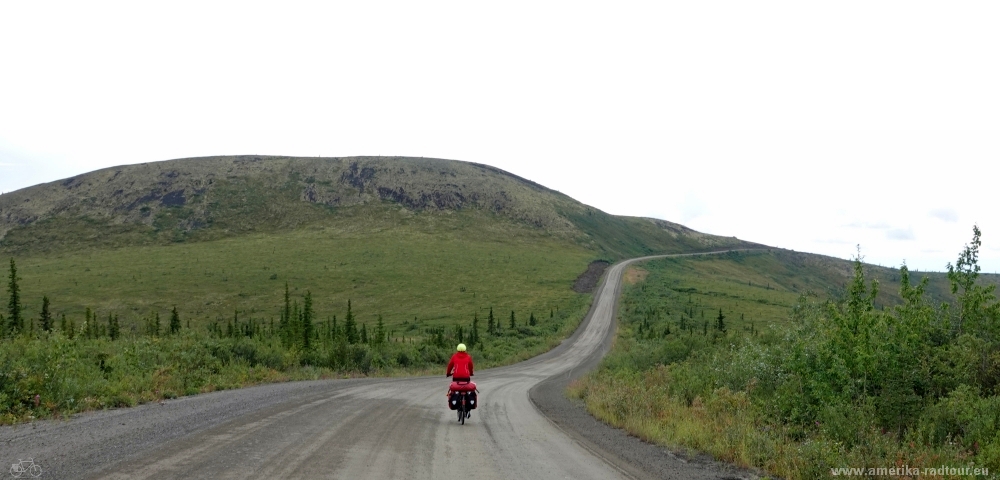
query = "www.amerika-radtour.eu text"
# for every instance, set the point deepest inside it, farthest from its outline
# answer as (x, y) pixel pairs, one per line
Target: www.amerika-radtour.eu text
(942, 471)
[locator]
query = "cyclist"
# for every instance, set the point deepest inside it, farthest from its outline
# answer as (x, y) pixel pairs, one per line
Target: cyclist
(460, 365)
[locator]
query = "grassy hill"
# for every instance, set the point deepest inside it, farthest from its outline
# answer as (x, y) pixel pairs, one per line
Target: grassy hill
(433, 239)
(209, 198)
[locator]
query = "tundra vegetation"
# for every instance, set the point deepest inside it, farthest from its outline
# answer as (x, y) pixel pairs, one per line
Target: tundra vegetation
(796, 383)
(51, 368)
(150, 281)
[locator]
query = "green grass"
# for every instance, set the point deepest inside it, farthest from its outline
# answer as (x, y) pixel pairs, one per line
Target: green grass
(440, 268)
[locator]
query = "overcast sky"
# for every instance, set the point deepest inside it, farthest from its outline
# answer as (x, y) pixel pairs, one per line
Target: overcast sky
(815, 126)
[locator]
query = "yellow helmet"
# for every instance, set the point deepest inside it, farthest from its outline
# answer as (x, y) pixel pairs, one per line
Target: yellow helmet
(461, 347)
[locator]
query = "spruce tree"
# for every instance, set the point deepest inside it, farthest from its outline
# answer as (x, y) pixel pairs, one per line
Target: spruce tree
(722, 324)
(14, 320)
(284, 324)
(295, 326)
(288, 308)
(62, 324)
(72, 329)
(87, 323)
(175, 321)
(307, 321)
(379, 331)
(364, 334)
(46, 317)
(114, 328)
(156, 325)
(350, 327)
(491, 323)
(474, 334)
(532, 321)
(513, 324)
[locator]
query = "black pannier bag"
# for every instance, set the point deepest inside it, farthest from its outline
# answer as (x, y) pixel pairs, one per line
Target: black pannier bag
(454, 401)
(472, 399)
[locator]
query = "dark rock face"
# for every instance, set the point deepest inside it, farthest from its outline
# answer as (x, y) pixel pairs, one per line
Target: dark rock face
(446, 200)
(358, 177)
(174, 199)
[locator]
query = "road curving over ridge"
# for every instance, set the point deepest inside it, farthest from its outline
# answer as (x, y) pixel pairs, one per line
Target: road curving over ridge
(370, 428)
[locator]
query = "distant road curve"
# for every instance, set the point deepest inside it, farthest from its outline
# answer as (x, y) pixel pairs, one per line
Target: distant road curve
(369, 428)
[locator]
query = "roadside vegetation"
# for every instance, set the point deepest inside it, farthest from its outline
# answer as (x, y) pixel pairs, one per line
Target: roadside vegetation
(55, 364)
(727, 357)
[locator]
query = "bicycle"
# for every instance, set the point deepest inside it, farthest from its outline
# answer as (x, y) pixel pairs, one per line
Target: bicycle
(22, 467)
(463, 409)
(462, 399)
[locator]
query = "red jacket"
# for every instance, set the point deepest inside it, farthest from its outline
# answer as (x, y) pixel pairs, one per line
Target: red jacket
(460, 365)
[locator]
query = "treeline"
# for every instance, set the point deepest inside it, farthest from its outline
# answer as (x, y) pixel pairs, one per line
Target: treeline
(842, 383)
(15, 324)
(654, 322)
(52, 366)
(297, 326)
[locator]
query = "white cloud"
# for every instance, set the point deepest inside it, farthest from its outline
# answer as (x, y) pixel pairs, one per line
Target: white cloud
(870, 225)
(900, 234)
(834, 241)
(692, 207)
(945, 214)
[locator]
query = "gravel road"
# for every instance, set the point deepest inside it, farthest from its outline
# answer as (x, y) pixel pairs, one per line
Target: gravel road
(368, 428)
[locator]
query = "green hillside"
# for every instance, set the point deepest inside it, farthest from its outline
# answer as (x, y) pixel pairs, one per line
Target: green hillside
(204, 199)
(769, 283)
(402, 237)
